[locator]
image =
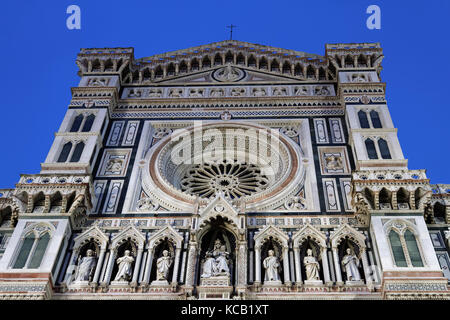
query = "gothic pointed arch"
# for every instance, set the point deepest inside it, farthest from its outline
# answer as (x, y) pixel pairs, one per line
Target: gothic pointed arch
(167, 232)
(347, 232)
(130, 233)
(273, 232)
(309, 231)
(219, 207)
(92, 234)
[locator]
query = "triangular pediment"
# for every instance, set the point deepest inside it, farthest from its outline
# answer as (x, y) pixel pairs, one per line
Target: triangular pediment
(219, 206)
(260, 64)
(248, 76)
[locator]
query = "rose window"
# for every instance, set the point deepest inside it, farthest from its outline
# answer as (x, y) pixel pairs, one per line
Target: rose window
(233, 179)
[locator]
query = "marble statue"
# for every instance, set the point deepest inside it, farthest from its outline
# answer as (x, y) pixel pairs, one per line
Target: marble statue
(333, 162)
(259, 92)
(271, 265)
(302, 91)
(125, 267)
(176, 93)
(312, 267)
(216, 93)
(114, 165)
(134, 93)
(279, 91)
(216, 261)
(196, 93)
(228, 73)
(350, 264)
(86, 266)
(162, 266)
(155, 93)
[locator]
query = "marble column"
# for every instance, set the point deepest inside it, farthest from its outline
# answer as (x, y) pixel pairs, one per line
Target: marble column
(148, 266)
(366, 266)
(257, 265)
(176, 266)
(337, 266)
(191, 262)
(70, 266)
(109, 269)
(298, 266)
(98, 268)
(325, 266)
(287, 278)
(242, 264)
(137, 265)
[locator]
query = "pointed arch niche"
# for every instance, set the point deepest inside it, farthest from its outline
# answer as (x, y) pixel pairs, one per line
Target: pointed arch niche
(310, 238)
(271, 238)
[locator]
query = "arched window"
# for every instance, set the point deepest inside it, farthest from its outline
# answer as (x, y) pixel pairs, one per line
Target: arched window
(397, 249)
(65, 152)
(371, 151)
(183, 67)
(39, 252)
(32, 251)
(413, 249)
(310, 72)
(251, 61)
(363, 121)
(195, 65)
(384, 149)
(77, 152)
(88, 123)
(77, 123)
(24, 251)
(375, 119)
(206, 63)
(217, 59)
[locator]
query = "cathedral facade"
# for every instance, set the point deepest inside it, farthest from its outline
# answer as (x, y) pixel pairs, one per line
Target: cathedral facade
(226, 171)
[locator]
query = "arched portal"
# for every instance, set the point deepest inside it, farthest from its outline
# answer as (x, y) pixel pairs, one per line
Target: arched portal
(217, 240)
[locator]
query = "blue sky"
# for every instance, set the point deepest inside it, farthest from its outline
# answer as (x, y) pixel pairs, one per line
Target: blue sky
(38, 59)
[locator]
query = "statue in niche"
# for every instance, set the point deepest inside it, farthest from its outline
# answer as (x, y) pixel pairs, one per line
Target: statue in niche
(155, 93)
(125, 267)
(350, 264)
(98, 82)
(86, 266)
(196, 93)
(271, 264)
(237, 92)
(321, 91)
(176, 93)
(216, 93)
(259, 92)
(162, 266)
(302, 91)
(216, 263)
(134, 93)
(277, 91)
(312, 267)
